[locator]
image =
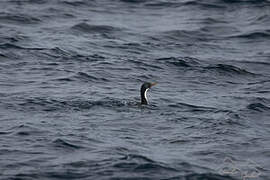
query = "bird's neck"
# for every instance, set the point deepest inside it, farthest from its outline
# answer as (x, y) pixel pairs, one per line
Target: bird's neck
(143, 96)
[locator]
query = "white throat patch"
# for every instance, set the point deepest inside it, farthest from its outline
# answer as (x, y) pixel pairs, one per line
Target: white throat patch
(145, 94)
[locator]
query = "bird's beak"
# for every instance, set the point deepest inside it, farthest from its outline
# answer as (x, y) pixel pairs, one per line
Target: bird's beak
(153, 84)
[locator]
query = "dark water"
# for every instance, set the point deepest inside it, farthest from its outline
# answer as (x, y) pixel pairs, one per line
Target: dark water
(71, 72)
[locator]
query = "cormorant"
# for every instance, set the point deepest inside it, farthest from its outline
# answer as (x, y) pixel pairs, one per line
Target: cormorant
(145, 87)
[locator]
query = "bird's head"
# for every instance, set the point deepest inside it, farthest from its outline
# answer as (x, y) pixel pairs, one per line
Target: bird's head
(145, 87)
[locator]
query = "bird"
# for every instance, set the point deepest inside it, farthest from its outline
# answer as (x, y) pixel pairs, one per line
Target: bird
(144, 88)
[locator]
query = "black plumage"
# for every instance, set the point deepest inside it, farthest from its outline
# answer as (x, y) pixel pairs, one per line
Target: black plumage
(144, 88)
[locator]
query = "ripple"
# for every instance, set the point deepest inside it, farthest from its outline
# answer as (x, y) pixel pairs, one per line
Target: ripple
(134, 1)
(137, 157)
(75, 3)
(10, 46)
(204, 4)
(185, 35)
(13, 46)
(191, 107)
(195, 176)
(163, 4)
(253, 35)
(60, 143)
(49, 104)
(82, 76)
(140, 163)
(258, 107)
(27, 130)
(87, 28)
(18, 18)
(180, 61)
(230, 70)
(246, 1)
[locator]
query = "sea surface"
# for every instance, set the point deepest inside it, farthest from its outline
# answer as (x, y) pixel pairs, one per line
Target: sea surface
(70, 77)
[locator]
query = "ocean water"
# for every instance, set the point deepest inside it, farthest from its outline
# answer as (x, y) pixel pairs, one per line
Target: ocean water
(70, 75)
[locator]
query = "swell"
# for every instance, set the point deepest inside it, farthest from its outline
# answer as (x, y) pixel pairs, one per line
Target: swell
(202, 66)
(257, 105)
(260, 107)
(142, 167)
(198, 176)
(28, 2)
(191, 3)
(53, 53)
(139, 163)
(82, 76)
(78, 3)
(213, 5)
(49, 104)
(13, 46)
(144, 64)
(180, 61)
(262, 34)
(246, 1)
(195, 108)
(65, 144)
(18, 19)
(135, 48)
(88, 28)
(185, 35)
(134, 1)
(228, 70)
(24, 130)
(12, 39)
(130, 166)
(205, 4)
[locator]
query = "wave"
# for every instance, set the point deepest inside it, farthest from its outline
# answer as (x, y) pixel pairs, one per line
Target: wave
(204, 35)
(12, 39)
(253, 35)
(258, 107)
(87, 28)
(137, 157)
(193, 108)
(52, 104)
(3, 55)
(65, 144)
(180, 61)
(82, 76)
(28, 1)
(24, 130)
(77, 3)
(10, 46)
(63, 54)
(140, 163)
(201, 176)
(144, 64)
(13, 46)
(135, 48)
(228, 69)
(217, 4)
(18, 19)
(164, 4)
(246, 1)
(182, 35)
(134, 1)
(210, 20)
(256, 62)
(205, 4)
(262, 19)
